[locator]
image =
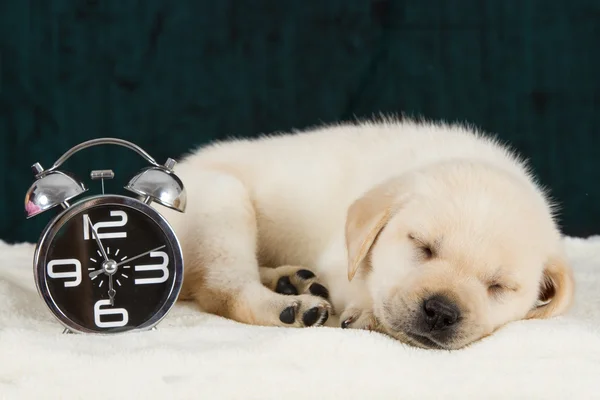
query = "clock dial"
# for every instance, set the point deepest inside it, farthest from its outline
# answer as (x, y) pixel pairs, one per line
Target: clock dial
(121, 283)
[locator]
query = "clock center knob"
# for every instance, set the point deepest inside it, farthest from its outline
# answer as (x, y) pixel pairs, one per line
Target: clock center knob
(110, 267)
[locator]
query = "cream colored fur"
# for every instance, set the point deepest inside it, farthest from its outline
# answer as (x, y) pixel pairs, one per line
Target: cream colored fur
(363, 206)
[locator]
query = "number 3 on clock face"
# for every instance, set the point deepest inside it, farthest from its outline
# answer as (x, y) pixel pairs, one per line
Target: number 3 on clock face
(162, 267)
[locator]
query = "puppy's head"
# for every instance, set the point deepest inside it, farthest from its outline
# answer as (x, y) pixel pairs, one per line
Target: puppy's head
(454, 251)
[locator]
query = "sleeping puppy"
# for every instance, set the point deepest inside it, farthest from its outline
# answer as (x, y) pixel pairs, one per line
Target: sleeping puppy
(433, 234)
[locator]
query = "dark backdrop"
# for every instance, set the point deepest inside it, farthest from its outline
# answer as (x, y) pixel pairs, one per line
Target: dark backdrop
(169, 75)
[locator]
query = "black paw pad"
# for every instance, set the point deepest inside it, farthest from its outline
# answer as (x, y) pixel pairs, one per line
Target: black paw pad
(319, 290)
(311, 316)
(284, 286)
(305, 274)
(288, 316)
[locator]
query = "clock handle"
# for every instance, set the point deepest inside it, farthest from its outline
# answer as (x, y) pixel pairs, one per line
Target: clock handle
(95, 142)
(155, 183)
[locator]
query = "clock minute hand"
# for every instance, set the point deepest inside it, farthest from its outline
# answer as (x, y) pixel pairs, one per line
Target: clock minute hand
(97, 238)
(111, 290)
(139, 255)
(94, 274)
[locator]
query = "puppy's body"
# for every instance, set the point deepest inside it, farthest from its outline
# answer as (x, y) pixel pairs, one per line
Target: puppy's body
(331, 201)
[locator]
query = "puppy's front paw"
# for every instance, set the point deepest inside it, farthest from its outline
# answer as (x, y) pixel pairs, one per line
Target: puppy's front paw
(293, 280)
(305, 300)
(305, 311)
(356, 318)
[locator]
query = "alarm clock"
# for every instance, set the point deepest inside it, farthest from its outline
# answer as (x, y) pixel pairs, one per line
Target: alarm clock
(107, 263)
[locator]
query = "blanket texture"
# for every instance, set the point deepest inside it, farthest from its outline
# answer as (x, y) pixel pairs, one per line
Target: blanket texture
(193, 355)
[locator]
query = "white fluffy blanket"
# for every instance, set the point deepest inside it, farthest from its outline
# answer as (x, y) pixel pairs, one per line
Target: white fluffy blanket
(197, 356)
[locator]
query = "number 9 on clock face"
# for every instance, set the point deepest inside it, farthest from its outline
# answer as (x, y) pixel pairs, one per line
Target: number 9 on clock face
(125, 278)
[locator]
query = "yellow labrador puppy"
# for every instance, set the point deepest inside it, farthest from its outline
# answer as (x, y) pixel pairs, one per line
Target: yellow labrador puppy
(431, 233)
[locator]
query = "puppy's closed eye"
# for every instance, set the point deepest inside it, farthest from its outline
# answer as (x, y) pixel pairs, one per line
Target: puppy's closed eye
(426, 251)
(495, 289)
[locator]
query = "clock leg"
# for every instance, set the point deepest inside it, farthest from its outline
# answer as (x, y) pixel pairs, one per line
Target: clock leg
(67, 331)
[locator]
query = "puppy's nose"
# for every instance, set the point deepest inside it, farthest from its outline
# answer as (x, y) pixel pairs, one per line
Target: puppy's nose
(440, 313)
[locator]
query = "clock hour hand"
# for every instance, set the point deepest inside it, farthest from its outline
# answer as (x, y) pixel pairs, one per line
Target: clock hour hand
(97, 239)
(96, 273)
(138, 256)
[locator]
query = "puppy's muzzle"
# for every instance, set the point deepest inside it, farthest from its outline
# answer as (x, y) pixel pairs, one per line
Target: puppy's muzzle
(437, 321)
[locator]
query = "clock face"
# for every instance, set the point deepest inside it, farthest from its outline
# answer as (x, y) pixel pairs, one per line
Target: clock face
(128, 280)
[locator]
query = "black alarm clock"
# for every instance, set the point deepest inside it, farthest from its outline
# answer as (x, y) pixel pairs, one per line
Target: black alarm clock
(107, 263)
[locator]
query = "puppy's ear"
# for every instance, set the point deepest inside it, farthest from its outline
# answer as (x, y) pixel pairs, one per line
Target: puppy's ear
(366, 217)
(556, 290)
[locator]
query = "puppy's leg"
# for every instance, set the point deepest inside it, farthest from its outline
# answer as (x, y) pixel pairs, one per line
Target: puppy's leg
(359, 314)
(218, 234)
(355, 317)
(292, 280)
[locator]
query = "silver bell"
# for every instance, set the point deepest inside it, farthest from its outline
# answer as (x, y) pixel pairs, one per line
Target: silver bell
(50, 190)
(161, 185)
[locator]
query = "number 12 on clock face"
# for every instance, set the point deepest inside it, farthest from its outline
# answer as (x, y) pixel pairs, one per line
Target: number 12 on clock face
(99, 227)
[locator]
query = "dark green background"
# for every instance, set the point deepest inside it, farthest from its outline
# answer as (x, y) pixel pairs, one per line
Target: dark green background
(169, 75)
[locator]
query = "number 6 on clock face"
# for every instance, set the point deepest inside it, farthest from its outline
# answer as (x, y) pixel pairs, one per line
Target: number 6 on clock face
(98, 312)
